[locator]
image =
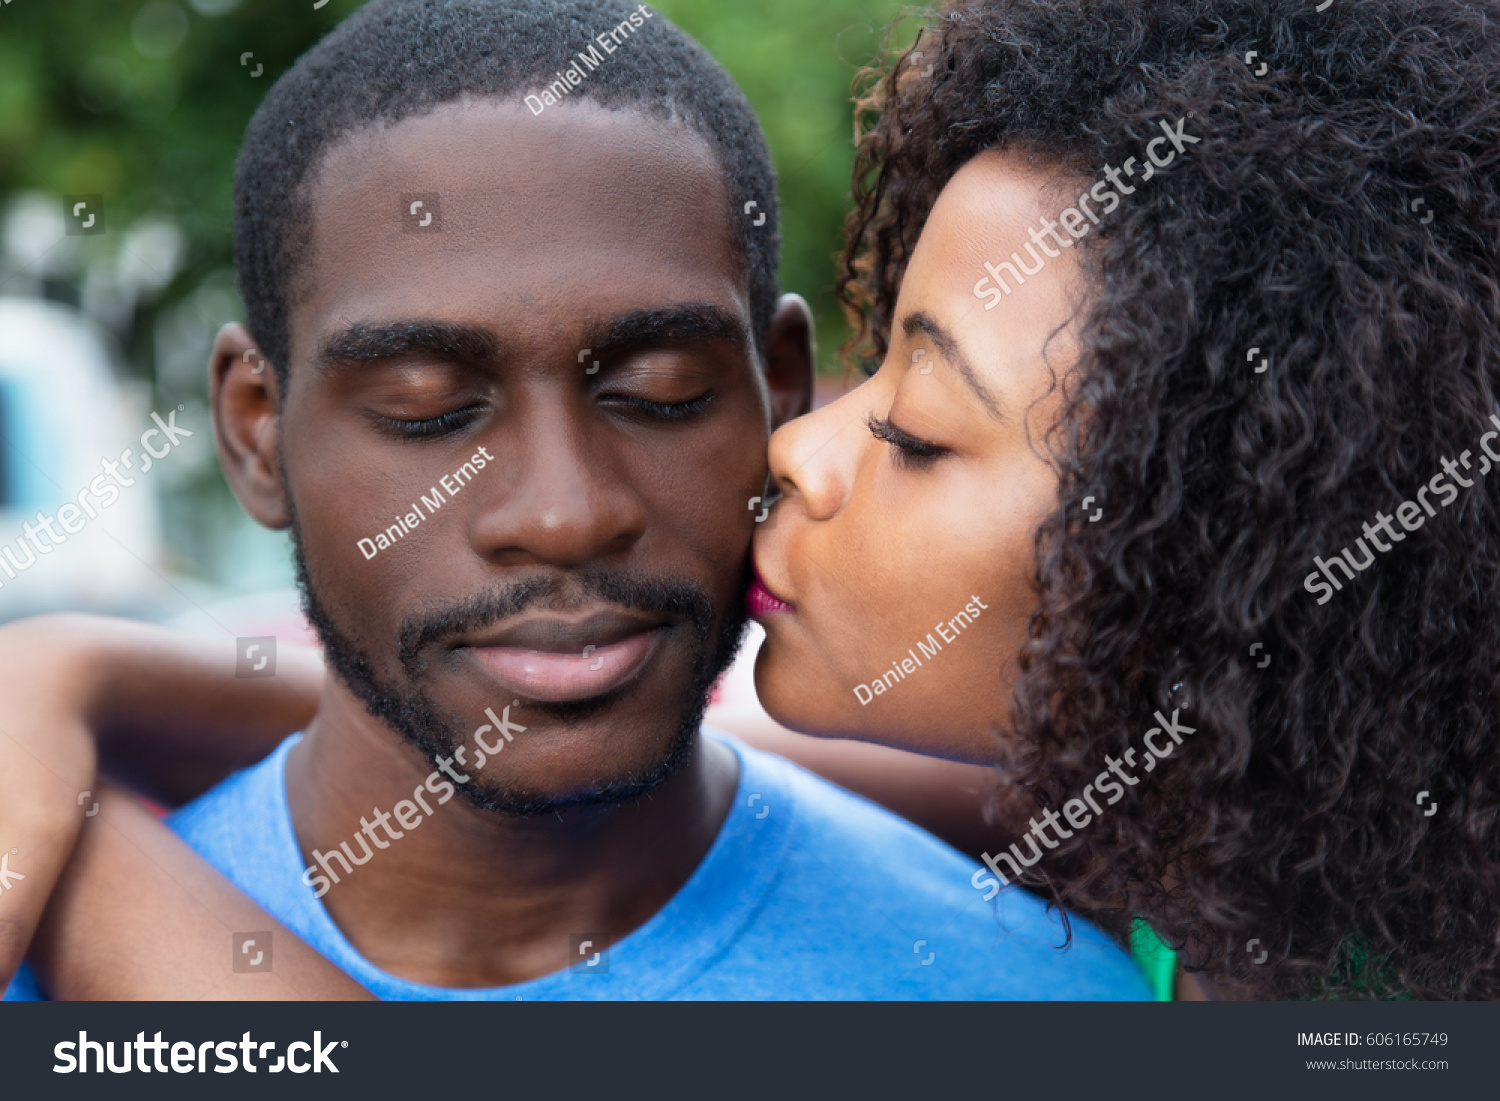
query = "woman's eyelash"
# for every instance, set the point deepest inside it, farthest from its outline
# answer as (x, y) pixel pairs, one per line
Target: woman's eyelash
(429, 428)
(910, 452)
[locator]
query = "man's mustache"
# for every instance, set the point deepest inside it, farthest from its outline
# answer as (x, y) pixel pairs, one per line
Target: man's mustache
(669, 598)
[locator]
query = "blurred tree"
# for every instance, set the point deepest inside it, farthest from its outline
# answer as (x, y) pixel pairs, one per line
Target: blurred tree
(144, 102)
(795, 60)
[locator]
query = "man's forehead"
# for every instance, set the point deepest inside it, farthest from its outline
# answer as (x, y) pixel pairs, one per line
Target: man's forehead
(480, 208)
(592, 162)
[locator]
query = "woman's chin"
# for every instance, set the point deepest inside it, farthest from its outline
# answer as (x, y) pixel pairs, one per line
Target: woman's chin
(793, 699)
(800, 692)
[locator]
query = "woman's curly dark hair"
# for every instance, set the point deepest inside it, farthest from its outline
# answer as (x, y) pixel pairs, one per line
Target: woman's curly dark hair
(1340, 214)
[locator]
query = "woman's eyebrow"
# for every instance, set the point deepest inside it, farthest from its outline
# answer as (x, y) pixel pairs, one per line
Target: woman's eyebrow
(920, 321)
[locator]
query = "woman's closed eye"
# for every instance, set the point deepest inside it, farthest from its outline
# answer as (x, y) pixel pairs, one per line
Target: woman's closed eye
(910, 452)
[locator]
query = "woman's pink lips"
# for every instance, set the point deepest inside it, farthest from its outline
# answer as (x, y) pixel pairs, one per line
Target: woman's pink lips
(761, 601)
(558, 678)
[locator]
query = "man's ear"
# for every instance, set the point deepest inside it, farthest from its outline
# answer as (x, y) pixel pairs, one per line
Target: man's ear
(246, 402)
(790, 360)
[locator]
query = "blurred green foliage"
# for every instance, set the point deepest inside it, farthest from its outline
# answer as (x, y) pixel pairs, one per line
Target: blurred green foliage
(796, 59)
(144, 102)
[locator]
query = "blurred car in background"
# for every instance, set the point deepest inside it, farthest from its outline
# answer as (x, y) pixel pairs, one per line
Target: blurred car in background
(64, 409)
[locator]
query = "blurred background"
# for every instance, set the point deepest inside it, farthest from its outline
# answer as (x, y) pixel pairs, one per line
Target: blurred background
(119, 124)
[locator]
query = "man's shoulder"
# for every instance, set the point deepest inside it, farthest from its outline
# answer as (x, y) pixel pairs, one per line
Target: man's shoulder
(241, 817)
(850, 827)
(905, 903)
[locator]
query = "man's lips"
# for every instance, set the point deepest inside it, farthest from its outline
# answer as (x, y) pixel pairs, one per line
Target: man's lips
(554, 660)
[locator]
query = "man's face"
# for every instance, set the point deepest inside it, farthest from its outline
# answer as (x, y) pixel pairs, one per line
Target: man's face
(592, 566)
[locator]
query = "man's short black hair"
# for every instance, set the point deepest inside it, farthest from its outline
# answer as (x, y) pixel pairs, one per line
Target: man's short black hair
(397, 58)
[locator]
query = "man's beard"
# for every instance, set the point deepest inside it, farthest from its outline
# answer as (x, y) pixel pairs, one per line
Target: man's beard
(406, 709)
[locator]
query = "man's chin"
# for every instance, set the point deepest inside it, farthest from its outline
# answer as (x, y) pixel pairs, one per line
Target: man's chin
(541, 795)
(605, 750)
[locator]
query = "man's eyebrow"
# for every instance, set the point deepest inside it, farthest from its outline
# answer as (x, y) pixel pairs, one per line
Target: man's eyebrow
(687, 323)
(920, 321)
(363, 343)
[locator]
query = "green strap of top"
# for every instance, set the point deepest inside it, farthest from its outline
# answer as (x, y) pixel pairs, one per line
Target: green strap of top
(1159, 963)
(1153, 957)
(1357, 966)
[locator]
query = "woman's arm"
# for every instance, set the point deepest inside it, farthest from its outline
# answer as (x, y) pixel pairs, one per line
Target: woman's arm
(136, 913)
(167, 713)
(946, 798)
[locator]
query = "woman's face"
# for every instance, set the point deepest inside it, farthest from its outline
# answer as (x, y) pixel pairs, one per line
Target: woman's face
(905, 545)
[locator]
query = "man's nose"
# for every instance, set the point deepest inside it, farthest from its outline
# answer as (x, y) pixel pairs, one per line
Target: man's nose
(563, 494)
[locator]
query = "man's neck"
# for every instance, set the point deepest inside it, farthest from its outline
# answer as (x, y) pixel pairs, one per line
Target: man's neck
(471, 898)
